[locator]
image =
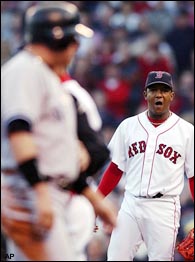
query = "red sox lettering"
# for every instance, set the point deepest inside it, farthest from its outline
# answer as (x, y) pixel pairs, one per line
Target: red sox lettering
(137, 147)
(166, 151)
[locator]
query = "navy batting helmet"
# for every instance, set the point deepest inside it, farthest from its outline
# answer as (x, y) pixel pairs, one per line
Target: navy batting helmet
(54, 24)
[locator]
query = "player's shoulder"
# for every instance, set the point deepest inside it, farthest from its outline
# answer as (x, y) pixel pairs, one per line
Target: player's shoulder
(85, 102)
(75, 88)
(184, 123)
(16, 67)
(80, 93)
(19, 62)
(10, 63)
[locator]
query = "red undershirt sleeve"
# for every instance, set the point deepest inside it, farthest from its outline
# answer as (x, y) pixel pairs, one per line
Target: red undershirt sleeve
(191, 186)
(110, 179)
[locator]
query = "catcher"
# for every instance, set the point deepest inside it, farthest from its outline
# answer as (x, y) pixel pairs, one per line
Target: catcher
(186, 246)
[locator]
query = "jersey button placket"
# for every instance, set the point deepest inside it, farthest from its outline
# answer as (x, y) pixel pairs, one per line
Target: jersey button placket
(149, 155)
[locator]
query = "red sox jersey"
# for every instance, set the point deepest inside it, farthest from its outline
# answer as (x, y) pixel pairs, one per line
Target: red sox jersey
(37, 97)
(154, 159)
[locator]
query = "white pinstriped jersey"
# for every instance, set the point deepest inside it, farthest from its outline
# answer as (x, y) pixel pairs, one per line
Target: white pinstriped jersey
(154, 159)
(31, 91)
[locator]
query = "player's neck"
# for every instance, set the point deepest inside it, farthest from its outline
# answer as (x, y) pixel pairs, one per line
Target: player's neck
(49, 57)
(156, 122)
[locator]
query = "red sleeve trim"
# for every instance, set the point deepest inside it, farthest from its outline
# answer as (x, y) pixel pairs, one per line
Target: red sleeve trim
(191, 185)
(110, 179)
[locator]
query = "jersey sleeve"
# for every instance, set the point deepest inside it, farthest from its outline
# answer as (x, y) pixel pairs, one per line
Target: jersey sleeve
(117, 147)
(25, 100)
(191, 186)
(110, 179)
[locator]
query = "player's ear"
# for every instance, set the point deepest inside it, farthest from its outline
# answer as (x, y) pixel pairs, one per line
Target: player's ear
(172, 95)
(145, 94)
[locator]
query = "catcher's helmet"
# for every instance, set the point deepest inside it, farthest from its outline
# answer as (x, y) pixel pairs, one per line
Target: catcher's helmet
(54, 24)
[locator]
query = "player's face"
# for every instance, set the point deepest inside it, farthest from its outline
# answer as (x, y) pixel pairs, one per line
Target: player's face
(159, 98)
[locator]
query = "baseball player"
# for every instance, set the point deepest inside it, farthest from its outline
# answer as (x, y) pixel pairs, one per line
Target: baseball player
(89, 126)
(41, 18)
(39, 137)
(153, 150)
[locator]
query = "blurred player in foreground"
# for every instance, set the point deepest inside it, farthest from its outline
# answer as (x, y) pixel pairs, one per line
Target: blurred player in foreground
(40, 152)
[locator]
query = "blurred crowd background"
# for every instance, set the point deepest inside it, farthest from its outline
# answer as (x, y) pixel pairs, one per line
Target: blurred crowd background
(131, 38)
